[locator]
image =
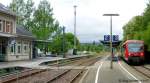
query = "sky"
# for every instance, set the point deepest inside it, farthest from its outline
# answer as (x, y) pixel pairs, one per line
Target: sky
(91, 24)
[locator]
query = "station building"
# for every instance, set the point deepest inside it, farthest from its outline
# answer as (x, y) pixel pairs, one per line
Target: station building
(15, 40)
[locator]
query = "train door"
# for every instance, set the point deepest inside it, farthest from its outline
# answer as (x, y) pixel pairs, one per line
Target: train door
(122, 49)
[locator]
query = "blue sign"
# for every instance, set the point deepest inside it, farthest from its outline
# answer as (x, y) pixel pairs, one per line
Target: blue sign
(114, 37)
(106, 37)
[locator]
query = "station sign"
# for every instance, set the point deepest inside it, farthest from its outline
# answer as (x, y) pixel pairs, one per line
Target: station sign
(114, 38)
(106, 37)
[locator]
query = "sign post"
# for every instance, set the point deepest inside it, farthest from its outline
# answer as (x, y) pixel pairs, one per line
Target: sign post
(111, 65)
(111, 38)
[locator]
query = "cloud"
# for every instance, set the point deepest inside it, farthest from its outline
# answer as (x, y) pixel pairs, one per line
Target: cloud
(91, 25)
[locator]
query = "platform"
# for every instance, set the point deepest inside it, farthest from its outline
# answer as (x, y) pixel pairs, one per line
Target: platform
(34, 62)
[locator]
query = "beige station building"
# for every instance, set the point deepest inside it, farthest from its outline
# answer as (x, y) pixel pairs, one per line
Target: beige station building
(15, 40)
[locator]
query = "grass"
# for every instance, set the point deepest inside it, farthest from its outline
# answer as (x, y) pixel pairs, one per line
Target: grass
(6, 71)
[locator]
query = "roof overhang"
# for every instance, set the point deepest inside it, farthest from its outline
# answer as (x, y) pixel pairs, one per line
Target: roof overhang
(6, 35)
(114, 43)
(43, 41)
(8, 13)
(25, 36)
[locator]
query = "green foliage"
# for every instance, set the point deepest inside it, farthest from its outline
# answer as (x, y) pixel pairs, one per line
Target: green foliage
(2, 71)
(90, 47)
(24, 11)
(29, 14)
(70, 38)
(39, 21)
(19, 7)
(139, 27)
(43, 22)
(132, 28)
(146, 37)
(56, 46)
(146, 16)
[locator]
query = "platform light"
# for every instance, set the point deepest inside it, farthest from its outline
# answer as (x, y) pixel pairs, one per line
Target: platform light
(111, 49)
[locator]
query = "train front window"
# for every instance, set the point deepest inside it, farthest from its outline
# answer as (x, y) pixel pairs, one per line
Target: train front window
(135, 47)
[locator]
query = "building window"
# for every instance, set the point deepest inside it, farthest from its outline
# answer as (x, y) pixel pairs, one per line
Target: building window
(11, 27)
(25, 47)
(1, 26)
(7, 26)
(4, 26)
(12, 48)
(19, 47)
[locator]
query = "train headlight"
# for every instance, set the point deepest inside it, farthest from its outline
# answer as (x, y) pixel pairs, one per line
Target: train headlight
(142, 54)
(129, 54)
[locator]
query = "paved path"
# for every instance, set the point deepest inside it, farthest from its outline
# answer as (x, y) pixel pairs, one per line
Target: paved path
(28, 63)
(121, 73)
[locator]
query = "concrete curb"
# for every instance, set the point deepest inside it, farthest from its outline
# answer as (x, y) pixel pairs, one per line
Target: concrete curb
(81, 80)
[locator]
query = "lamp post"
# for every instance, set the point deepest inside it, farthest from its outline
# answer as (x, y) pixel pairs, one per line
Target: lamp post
(63, 44)
(111, 47)
(75, 43)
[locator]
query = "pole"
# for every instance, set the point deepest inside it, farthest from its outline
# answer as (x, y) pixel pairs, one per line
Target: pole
(111, 47)
(74, 29)
(111, 66)
(17, 76)
(64, 42)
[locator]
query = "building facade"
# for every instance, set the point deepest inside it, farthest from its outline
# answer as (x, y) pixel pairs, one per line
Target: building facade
(15, 40)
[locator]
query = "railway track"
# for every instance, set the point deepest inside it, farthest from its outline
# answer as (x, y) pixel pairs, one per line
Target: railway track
(67, 62)
(143, 70)
(70, 75)
(18, 75)
(49, 75)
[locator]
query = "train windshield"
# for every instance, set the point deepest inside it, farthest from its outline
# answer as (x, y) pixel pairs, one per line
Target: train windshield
(135, 47)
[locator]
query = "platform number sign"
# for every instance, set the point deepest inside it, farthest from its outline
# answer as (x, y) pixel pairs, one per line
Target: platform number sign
(115, 37)
(106, 37)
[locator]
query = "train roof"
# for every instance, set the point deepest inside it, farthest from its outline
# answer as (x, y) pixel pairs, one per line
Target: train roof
(133, 41)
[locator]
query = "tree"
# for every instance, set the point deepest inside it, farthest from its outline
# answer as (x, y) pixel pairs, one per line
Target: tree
(133, 28)
(146, 16)
(24, 11)
(39, 21)
(93, 47)
(29, 14)
(18, 6)
(43, 22)
(57, 43)
(146, 37)
(139, 27)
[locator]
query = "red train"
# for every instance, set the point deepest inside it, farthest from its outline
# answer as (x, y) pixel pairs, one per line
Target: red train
(133, 51)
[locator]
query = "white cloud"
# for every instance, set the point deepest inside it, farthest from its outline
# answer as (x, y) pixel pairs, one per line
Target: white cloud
(91, 25)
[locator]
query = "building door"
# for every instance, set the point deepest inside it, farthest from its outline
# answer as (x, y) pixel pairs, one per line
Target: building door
(2, 50)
